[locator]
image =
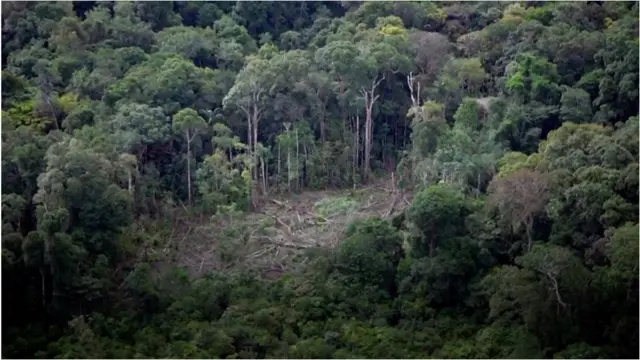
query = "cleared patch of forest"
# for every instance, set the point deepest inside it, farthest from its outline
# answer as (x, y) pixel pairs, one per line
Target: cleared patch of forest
(276, 237)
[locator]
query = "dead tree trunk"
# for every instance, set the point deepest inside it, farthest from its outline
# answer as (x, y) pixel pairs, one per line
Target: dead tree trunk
(298, 182)
(264, 175)
(370, 99)
(189, 137)
(414, 90)
(279, 168)
(250, 136)
(256, 119)
(356, 150)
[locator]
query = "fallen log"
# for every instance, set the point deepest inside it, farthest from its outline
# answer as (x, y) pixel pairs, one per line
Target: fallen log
(279, 203)
(286, 227)
(393, 205)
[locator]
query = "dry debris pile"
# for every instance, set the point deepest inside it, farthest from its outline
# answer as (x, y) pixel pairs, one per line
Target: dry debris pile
(274, 238)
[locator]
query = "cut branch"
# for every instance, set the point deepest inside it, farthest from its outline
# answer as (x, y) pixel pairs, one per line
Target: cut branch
(287, 228)
(393, 205)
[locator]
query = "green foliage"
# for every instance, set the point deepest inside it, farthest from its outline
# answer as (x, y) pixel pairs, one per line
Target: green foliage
(137, 126)
(221, 182)
(532, 79)
(575, 106)
(514, 124)
(468, 115)
(188, 121)
(24, 114)
(438, 213)
(335, 206)
(514, 161)
(621, 249)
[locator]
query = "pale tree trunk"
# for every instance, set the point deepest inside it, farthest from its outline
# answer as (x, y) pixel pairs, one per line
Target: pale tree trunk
(404, 133)
(288, 158)
(367, 144)
(289, 169)
(250, 150)
(528, 224)
(130, 182)
(414, 90)
(256, 120)
(356, 150)
(305, 160)
(188, 165)
(384, 141)
(354, 154)
(279, 172)
(253, 119)
(255, 147)
(370, 99)
(323, 136)
(264, 176)
(297, 161)
(251, 145)
(250, 137)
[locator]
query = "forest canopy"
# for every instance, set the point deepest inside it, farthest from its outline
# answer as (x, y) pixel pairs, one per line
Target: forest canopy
(320, 179)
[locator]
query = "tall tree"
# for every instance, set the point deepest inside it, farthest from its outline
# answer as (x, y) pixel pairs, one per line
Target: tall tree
(250, 93)
(520, 197)
(363, 66)
(190, 125)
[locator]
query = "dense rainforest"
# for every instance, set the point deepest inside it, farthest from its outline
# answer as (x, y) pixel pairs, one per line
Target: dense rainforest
(320, 179)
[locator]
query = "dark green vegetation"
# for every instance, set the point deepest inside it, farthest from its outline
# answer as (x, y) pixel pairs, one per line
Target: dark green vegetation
(513, 125)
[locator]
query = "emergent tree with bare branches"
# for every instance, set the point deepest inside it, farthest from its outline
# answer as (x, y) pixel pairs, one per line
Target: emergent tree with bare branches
(520, 197)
